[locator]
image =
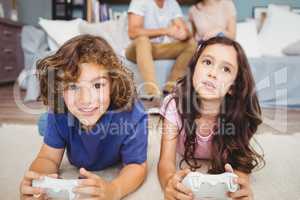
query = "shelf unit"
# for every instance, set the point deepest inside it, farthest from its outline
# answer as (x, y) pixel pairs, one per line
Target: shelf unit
(69, 9)
(183, 2)
(66, 9)
(11, 54)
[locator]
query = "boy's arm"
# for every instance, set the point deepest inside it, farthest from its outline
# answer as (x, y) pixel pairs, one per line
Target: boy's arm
(48, 160)
(129, 179)
(46, 163)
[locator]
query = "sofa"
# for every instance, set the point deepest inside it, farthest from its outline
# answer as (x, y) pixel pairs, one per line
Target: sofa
(38, 42)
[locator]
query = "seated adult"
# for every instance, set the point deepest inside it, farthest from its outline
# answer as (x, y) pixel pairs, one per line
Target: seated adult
(158, 31)
(212, 17)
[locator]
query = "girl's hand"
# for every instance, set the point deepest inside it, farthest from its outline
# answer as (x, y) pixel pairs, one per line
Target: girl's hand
(174, 189)
(29, 192)
(95, 187)
(245, 191)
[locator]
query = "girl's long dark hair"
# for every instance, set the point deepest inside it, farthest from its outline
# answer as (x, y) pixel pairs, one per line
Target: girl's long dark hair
(238, 119)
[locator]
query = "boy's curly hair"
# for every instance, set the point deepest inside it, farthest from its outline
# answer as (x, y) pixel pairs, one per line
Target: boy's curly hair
(62, 67)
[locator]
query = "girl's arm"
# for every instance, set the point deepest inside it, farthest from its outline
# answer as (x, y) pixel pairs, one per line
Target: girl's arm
(245, 191)
(231, 28)
(48, 160)
(170, 179)
(130, 178)
(167, 159)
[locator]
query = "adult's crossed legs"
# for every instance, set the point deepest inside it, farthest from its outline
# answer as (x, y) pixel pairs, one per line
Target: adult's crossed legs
(143, 52)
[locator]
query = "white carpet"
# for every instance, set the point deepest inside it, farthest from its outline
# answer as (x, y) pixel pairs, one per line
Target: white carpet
(279, 180)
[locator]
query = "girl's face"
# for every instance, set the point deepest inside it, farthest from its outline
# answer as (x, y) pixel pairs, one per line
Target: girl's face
(215, 71)
(89, 97)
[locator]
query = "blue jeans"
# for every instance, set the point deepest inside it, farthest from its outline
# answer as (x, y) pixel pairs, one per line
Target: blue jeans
(42, 123)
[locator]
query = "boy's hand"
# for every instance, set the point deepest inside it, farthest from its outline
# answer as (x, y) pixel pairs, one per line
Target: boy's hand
(95, 187)
(29, 192)
(245, 191)
(174, 189)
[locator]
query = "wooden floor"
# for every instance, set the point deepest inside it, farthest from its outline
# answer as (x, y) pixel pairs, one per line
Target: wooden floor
(14, 110)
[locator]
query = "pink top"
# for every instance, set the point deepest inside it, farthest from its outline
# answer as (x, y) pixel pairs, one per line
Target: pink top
(207, 19)
(169, 111)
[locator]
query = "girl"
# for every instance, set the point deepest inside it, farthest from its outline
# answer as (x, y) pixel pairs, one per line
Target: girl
(211, 17)
(212, 115)
(93, 116)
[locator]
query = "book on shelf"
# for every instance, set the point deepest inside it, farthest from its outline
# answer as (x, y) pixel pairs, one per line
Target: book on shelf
(96, 8)
(101, 12)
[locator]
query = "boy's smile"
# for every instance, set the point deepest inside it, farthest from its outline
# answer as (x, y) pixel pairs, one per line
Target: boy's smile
(89, 97)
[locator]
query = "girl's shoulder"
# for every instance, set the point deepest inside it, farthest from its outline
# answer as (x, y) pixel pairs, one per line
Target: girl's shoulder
(169, 101)
(169, 110)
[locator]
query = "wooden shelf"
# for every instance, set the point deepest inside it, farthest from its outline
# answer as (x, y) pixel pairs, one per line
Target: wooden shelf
(113, 2)
(11, 53)
(65, 9)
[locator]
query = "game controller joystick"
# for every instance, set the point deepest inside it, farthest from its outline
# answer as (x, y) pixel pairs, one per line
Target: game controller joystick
(57, 188)
(207, 186)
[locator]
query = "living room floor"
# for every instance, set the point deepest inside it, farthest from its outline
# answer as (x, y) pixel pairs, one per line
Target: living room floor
(279, 137)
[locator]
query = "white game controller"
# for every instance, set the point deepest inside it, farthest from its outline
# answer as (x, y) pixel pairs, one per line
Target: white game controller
(207, 186)
(57, 188)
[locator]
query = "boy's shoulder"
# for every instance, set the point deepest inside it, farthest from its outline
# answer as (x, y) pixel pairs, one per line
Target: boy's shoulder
(61, 120)
(59, 117)
(133, 114)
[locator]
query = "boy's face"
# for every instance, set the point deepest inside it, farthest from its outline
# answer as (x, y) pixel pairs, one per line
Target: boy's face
(89, 97)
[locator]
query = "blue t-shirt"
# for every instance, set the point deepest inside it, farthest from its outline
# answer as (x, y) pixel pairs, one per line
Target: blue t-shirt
(117, 137)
